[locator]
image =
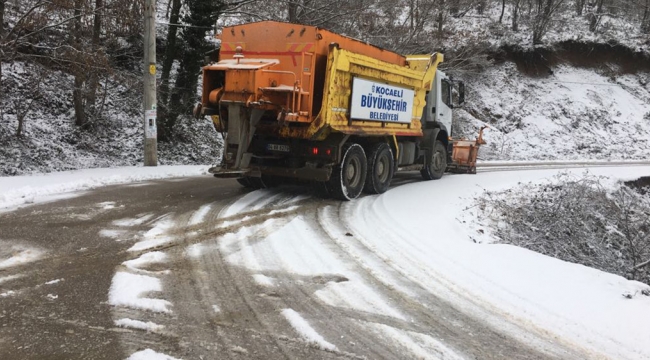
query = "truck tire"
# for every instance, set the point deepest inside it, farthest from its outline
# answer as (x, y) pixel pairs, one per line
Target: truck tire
(435, 162)
(381, 167)
(349, 177)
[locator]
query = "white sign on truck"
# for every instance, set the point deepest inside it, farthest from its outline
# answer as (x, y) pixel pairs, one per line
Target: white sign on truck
(380, 102)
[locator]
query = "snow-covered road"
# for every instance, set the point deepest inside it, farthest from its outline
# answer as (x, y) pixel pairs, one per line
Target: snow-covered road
(402, 275)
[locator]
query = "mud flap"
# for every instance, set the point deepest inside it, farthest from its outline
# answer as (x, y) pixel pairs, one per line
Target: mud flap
(241, 129)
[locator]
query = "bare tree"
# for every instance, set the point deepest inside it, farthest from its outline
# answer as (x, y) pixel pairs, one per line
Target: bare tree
(645, 20)
(78, 70)
(545, 11)
(171, 54)
(23, 104)
(93, 80)
(596, 14)
(516, 8)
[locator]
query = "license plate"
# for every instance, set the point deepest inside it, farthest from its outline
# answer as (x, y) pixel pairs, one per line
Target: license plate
(277, 147)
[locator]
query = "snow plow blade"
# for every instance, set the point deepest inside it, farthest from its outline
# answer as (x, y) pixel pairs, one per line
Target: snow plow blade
(464, 154)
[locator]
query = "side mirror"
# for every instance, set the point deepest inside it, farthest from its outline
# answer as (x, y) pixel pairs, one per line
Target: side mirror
(461, 93)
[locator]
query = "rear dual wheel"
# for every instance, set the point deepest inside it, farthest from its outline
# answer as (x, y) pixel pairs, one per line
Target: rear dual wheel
(349, 177)
(381, 167)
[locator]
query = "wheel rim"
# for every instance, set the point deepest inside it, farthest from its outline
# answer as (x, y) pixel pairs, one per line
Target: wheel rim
(437, 161)
(352, 173)
(382, 168)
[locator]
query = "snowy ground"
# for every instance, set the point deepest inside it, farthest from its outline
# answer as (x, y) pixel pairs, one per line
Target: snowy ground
(380, 257)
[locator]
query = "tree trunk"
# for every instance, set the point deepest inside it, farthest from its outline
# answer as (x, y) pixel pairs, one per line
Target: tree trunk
(93, 81)
(515, 15)
(503, 10)
(169, 6)
(77, 99)
(482, 4)
(21, 120)
(645, 22)
(595, 17)
(2, 18)
(201, 14)
(2, 33)
(412, 14)
(441, 15)
(292, 9)
(77, 93)
(580, 5)
(171, 54)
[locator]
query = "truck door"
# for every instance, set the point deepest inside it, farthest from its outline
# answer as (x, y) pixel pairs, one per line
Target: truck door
(443, 100)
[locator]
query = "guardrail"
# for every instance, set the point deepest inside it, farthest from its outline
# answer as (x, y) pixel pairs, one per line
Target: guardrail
(483, 166)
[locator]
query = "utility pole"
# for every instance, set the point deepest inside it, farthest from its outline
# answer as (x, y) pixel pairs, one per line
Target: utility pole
(150, 132)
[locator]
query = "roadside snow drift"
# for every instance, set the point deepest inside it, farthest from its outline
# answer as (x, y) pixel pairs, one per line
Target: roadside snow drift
(19, 190)
(421, 227)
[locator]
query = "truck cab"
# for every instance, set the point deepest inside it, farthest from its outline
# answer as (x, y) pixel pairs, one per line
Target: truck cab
(439, 103)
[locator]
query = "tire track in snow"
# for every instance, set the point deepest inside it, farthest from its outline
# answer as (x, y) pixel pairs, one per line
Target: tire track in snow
(465, 311)
(310, 305)
(431, 315)
(205, 281)
(295, 292)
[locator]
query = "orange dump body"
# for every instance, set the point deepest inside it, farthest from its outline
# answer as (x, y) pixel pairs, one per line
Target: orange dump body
(274, 65)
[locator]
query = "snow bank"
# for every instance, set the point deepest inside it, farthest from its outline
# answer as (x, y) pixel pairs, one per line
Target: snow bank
(19, 190)
(420, 228)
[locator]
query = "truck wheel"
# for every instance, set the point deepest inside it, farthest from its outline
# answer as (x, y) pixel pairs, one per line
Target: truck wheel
(436, 162)
(381, 166)
(349, 177)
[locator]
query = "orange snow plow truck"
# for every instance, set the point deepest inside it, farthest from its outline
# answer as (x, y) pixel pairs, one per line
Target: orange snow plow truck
(300, 102)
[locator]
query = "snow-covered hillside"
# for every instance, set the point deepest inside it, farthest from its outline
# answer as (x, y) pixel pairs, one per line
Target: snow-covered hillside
(51, 141)
(571, 113)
